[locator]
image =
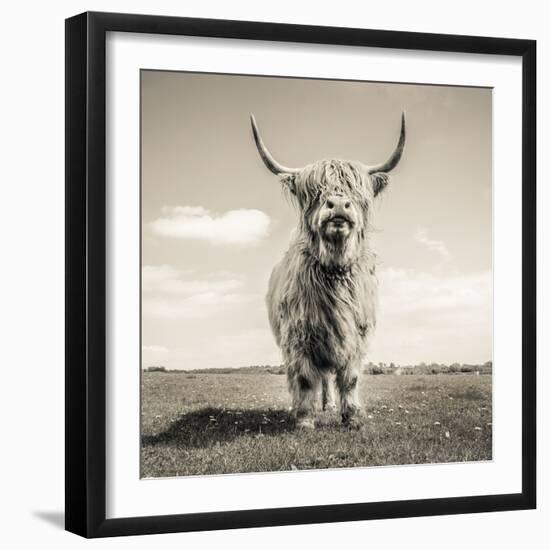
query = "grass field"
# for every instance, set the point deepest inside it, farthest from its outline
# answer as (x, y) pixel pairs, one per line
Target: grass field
(227, 423)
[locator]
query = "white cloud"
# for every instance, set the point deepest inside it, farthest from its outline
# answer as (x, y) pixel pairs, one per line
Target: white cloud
(193, 307)
(240, 347)
(154, 349)
(234, 227)
(170, 293)
(439, 247)
(166, 279)
(427, 316)
(407, 291)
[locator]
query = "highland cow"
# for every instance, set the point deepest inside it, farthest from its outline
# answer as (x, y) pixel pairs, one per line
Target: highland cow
(323, 294)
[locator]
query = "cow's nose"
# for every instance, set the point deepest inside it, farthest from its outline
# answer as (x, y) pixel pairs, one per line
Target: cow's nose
(338, 203)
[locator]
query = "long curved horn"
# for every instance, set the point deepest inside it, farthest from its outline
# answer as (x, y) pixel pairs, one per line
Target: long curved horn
(391, 163)
(267, 157)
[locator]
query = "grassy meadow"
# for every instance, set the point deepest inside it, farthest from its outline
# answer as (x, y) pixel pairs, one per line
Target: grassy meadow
(213, 423)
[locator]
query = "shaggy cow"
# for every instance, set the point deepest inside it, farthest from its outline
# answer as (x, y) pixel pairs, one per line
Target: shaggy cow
(322, 296)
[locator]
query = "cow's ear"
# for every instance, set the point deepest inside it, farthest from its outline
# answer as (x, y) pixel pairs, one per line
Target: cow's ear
(379, 182)
(289, 182)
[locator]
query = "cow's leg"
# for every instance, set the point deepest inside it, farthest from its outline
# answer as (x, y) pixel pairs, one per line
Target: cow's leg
(303, 384)
(328, 398)
(348, 386)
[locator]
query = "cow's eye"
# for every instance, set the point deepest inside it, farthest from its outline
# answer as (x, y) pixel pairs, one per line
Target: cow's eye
(330, 204)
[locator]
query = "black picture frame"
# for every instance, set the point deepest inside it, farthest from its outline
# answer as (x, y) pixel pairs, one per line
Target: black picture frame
(86, 274)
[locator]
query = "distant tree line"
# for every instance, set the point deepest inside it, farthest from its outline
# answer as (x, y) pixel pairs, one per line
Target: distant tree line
(370, 368)
(432, 368)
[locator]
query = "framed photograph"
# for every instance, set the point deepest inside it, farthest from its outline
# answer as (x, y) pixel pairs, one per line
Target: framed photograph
(300, 274)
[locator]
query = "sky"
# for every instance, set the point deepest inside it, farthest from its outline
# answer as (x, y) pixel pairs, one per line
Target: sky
(215, 221)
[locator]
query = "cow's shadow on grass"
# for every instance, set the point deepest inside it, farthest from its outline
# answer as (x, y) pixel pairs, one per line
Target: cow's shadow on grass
(209, 426)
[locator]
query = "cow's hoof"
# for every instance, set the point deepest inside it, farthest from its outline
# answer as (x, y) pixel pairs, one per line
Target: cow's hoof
(330, 407)
(305, 423)
(353, 422)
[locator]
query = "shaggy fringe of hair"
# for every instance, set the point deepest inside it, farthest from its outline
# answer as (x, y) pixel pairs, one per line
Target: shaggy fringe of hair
(325, 176)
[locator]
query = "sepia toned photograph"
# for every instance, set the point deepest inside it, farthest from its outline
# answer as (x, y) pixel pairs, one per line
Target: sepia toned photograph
(316, 274)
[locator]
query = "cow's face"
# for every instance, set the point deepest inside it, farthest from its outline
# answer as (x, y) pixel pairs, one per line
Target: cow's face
(335, 199)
